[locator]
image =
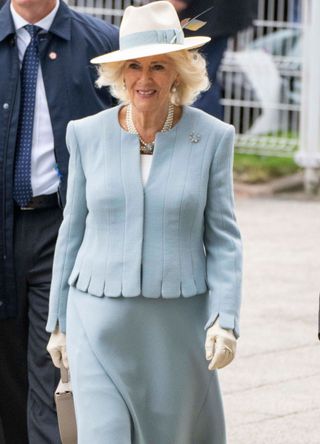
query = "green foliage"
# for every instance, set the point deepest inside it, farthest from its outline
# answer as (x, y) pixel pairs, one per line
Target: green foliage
(251, 168)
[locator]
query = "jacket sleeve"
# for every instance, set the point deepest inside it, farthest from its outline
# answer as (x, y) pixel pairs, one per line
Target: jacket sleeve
(70, 235)
(222, 240)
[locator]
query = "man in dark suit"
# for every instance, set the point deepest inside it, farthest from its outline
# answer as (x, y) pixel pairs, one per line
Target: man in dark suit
(46, 80)
(225, 19)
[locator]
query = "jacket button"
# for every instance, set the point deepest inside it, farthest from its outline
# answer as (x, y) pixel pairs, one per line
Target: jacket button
(1, 303)
(5, 106)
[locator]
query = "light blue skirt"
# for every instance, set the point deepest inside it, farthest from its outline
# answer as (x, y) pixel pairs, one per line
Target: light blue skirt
(139, 372)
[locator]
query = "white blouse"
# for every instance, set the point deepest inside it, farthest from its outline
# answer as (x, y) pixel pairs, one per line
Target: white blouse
(146, 160)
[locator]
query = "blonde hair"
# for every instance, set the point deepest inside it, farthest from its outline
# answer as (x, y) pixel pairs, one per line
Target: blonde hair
(190, 65)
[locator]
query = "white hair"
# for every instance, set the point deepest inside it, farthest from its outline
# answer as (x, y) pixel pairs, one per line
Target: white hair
(191, 68)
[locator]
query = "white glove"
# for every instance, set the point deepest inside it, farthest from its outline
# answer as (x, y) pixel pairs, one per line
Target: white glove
(57, 348)
(220, 346)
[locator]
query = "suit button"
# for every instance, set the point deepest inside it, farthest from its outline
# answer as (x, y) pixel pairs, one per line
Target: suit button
(1, 303)
(5, 106)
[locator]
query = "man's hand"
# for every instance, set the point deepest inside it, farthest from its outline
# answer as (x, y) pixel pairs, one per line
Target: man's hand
(220, 346)
(180, 5)
(57, 348)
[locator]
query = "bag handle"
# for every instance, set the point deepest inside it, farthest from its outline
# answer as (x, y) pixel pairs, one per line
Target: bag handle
(64, 373)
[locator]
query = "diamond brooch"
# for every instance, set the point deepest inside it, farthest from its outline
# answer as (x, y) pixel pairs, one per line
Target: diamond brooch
(194, 137)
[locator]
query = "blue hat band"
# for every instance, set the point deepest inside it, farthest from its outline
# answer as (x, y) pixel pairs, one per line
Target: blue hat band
(167, 36)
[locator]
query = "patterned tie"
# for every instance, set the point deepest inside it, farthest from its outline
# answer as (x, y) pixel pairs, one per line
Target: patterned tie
(22, 189)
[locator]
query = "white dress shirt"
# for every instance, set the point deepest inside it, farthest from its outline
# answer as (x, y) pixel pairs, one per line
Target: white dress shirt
(44, 174)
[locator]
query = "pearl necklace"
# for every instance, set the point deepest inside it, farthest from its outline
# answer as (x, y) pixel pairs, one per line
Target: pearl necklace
(148, 147)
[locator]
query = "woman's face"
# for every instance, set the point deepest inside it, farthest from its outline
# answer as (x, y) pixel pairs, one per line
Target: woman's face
(148, 81)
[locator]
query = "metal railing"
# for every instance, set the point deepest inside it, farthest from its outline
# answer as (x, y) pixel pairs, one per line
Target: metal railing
(261, 78)
(108, 10)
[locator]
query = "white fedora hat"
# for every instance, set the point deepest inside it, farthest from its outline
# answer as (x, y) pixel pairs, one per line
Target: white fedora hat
(150, 30)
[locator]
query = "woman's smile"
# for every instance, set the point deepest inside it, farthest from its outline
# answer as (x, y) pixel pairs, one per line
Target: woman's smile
(146, 93)
(148, 81)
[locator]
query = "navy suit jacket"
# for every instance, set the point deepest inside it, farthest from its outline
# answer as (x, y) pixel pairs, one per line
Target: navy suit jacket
(176, 236)
(71, 94)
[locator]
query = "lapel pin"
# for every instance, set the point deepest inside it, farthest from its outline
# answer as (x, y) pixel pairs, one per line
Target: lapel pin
(53, 55)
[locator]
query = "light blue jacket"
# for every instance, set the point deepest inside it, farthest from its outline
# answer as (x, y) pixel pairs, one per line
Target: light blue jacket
(175, 236)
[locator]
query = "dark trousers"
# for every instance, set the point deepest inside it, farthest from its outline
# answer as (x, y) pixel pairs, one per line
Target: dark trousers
(27, 376)
(209, 101)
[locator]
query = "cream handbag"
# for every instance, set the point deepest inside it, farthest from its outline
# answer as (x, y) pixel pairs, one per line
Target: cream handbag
(65, 409)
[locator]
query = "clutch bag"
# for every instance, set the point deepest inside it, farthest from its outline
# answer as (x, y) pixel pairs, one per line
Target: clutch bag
(65, 409)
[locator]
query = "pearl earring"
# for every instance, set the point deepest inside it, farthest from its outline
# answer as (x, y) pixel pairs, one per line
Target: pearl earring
(174, 88)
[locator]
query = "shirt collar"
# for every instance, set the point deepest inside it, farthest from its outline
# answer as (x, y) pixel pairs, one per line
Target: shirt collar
(45, 23)
(61, 26)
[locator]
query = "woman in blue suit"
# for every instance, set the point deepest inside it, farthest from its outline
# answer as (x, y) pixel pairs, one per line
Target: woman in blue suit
(147, 270)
